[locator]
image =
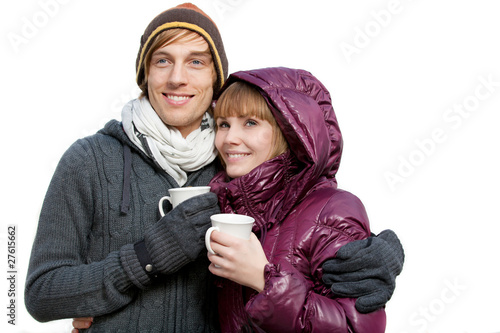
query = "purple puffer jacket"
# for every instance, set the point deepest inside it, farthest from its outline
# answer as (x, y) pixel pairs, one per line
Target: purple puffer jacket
(301, 218)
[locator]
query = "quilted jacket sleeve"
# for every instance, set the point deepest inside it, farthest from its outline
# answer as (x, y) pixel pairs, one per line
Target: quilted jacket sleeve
(292, 301)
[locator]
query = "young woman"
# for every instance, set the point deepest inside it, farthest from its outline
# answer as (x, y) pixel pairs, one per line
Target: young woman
(280, 143)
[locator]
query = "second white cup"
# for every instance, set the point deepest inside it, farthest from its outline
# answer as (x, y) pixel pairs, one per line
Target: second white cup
(234, 224)
(179, 194)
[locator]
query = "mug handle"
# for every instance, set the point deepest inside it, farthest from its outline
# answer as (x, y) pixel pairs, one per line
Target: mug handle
(160, 204)
(208, 234)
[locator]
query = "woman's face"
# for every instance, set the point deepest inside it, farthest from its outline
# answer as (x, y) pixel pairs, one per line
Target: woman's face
(243, 143)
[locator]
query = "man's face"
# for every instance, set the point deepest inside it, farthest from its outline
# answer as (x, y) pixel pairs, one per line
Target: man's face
(180, 83)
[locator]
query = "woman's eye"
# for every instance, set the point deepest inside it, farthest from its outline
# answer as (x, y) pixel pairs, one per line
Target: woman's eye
(222, 125)
(251, 122)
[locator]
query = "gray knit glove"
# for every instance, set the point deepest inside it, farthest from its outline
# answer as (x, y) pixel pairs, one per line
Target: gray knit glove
(179, 237)
(366, 269)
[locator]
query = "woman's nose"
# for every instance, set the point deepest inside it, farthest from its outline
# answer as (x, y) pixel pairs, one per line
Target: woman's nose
(233, 136)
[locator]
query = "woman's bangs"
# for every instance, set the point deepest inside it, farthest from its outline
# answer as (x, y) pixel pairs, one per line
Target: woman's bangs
(241, 100)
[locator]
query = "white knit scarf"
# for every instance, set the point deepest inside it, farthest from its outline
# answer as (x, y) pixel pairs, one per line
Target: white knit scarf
(164, 144)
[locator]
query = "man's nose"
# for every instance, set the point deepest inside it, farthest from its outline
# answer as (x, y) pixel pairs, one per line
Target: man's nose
(178, 76)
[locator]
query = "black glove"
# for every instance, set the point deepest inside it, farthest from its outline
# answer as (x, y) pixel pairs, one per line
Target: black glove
(179, 237)
(366, 269)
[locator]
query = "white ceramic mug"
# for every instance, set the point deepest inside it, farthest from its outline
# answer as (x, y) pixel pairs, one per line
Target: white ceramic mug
(179, 194)
(234, 224)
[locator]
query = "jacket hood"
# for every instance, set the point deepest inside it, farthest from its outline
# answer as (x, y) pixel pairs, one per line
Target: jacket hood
(303, 109)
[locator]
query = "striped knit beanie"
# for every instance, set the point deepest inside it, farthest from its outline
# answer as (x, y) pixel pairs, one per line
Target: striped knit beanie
(185, 16)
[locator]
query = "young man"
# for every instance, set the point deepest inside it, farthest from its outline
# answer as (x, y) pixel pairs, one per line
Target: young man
(101, 249)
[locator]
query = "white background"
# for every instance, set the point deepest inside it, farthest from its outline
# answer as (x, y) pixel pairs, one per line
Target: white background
(398, 71)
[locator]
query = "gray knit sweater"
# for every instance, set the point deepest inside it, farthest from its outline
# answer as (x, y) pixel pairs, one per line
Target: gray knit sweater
(83, 261)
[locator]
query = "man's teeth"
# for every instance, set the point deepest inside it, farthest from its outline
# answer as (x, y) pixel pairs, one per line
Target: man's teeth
(177, 98)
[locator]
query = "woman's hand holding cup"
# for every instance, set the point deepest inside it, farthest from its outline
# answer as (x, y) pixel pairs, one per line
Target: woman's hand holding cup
(235, 252)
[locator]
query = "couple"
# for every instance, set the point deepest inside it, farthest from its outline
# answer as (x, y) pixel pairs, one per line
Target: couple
(101, 251)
